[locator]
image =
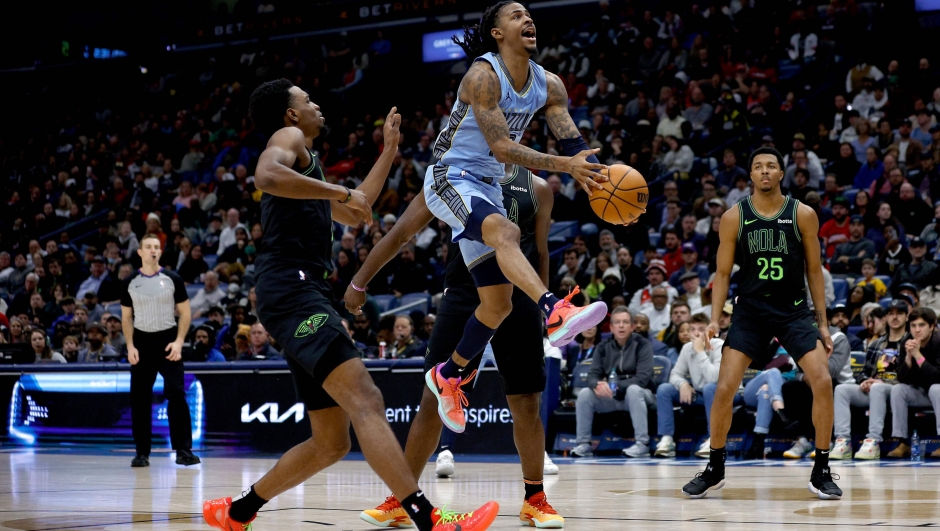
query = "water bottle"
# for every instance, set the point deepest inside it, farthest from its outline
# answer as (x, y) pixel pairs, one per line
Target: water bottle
(612, 381)
(382, 350)
(916, 454)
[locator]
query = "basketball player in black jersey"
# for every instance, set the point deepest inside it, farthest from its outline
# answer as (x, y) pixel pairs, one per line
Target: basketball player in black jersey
(297, 213)
(517, 344)
(773, 238)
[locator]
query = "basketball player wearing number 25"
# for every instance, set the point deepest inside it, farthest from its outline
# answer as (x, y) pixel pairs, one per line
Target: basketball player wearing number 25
(773, 238)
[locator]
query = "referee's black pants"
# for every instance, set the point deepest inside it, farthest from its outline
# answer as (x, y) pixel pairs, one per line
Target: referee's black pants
(151, 347)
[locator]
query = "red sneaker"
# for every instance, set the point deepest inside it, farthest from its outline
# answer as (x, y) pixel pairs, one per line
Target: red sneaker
(473, 521)
(216, 515)
(450, 397)
(567, 321)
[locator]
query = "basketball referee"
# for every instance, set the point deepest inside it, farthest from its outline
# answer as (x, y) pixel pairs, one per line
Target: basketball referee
(147, 303)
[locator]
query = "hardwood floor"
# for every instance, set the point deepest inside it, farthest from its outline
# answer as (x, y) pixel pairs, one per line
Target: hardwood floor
(98, 491)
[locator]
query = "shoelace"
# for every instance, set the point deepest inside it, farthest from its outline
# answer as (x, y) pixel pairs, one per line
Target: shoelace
(390, 504)
(540, 502)
(456, 391)
(452, 517)
(566, 302)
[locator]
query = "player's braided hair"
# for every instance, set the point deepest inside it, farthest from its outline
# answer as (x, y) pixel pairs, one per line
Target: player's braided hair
(478, 38)
(268, 104)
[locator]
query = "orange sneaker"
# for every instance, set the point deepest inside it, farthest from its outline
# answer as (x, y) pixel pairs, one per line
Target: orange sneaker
(473, 521)
(567, 321)
(216, 515)
(450, 397)
(389, 514)
(537, 512)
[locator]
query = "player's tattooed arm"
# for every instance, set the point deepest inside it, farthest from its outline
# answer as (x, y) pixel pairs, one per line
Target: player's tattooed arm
(480, 88)
(556, 109)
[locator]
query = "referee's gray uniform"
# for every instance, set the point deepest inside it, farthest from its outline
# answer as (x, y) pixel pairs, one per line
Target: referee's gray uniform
(154, 299)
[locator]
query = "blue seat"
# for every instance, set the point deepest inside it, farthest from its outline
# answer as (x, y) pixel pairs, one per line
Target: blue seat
(114, 309)
(385, 302)
(605, 336)
(563, 230)
(841, 288)
(854, 330)
(661, 369)
(886, 279)
(193, 289)
(850, 195)
(579, 378)
(654, 239)
(858, 362)
(885, 302)
(411, 298)
(211, 260)
(749, 375)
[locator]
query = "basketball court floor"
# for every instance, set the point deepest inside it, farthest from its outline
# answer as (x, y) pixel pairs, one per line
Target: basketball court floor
(44, 490)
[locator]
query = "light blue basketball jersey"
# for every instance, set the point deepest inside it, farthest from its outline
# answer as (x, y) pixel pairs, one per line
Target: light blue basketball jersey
(462, 145)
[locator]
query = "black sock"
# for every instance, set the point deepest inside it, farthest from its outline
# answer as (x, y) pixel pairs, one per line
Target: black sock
(716, 459)
(532, 487)
(419, 509)
(547, 303)
(244, 508)
(822, 460)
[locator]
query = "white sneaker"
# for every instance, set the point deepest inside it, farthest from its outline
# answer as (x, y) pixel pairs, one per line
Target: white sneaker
(870, 450)
(800, 448)
(583, 450)
(637, 450)
(666, 447)
(841, 450)
(549, 468)
(445, 464)
(704, 451)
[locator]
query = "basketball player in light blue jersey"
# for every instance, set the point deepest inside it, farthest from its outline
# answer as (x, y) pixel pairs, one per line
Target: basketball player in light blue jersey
(499, 95)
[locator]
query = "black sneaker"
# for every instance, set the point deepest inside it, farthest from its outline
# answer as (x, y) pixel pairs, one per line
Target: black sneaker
(186, 458)
(140, 461)
(704, 482)
(822, 485)
(788, 424)
(755, 450)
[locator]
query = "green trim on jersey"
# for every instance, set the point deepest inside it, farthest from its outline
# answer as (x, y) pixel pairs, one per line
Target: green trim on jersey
(740, 219)
(777, 215)
(796, 226)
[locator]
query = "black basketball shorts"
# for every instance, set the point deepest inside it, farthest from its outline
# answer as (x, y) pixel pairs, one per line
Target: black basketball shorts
(753, 326)
(295, 309)
(517, 345)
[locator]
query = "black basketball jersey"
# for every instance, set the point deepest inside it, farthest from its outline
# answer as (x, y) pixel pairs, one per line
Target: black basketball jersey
(770, 253)
(521, 207)
(298, 233)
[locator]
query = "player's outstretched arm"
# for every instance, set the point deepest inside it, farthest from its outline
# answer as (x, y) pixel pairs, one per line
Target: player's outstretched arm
(415, 218)
(543, 223)
(728, 239)
(480, 88)
(808, 225)
(372, 185)
(275, 176)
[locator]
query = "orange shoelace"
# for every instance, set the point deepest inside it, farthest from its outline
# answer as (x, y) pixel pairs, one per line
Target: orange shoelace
(540, 502)
(390, 504)
(566, 302)
(456, 391)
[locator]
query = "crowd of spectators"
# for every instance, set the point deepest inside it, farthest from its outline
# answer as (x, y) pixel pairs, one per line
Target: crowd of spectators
(680, 94)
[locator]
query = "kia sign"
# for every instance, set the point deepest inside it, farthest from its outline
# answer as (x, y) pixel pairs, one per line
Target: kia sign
(440, 46)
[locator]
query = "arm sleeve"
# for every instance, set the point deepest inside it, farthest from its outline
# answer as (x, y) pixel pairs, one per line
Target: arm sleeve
(644, 366)
(179, 288)
(125, 292)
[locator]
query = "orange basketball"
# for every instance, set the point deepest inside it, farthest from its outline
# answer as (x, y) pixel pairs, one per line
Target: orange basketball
(624, 196)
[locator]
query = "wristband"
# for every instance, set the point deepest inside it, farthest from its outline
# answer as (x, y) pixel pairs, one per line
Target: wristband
(572, 146)
(920, 361)
(348, 196)
(355, 287)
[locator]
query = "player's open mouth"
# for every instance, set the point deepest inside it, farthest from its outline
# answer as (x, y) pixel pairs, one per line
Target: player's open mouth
(529, 34)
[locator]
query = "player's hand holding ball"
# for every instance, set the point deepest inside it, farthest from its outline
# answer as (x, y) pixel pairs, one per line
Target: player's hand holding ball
(390, 132)
(587, 173)
(623, 196)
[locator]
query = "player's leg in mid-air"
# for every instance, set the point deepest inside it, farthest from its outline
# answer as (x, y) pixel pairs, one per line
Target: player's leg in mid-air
(517, 347)
(473, 208)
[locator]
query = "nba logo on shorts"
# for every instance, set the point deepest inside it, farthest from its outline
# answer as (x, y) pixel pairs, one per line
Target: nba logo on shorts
(302, 275)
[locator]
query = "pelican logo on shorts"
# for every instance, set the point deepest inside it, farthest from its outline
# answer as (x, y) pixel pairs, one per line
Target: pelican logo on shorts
(310, 325)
